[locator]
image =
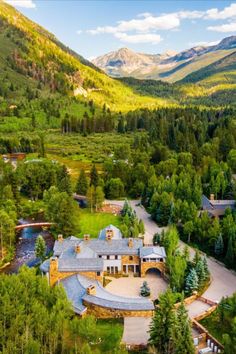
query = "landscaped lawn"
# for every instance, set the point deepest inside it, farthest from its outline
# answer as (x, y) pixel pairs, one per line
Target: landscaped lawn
(92, 223)
(112, 331)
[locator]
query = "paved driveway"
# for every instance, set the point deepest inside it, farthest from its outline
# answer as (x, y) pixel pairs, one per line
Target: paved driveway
(223, 280)
(131, 286)
(136, 330)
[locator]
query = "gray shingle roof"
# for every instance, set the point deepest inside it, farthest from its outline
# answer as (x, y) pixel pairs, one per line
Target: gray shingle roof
(81, 264)
(115, 247)
(116, 233)
(158, 251)
(76, 286)
(44, 267)
(75, 293)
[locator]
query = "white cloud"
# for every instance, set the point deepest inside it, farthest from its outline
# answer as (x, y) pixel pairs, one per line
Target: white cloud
(228, 27)
(226, 13)
(204, 44)
(144, 14)
(139, 38)
(189, 14)
(79, 31)
(143, 25)
(29, 4)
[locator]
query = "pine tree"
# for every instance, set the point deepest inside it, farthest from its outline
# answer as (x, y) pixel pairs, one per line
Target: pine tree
(191, 283)
(181, 332)
(230, 257)
(94, 176)
(196, 257)
(207, 272)
(40, 248)
(201, 273)
(219, 245)
(82, 184)
(162, 322)
(141, 227)
(145, 290)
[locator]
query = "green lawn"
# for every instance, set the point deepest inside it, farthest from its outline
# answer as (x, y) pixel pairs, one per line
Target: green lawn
(92, 223)
(112, 331)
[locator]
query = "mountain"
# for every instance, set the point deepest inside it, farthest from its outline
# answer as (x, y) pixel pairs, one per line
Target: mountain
(124, 62)
(33, 62)
(170, 67)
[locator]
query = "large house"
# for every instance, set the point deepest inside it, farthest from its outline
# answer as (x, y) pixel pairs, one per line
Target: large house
(215, 207)
(80, 264)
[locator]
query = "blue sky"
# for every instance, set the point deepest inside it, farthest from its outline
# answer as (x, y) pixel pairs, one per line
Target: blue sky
(93, 28)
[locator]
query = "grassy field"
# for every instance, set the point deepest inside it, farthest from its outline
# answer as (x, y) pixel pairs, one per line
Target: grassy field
(78, 152)
(112, 331)
(92, 223)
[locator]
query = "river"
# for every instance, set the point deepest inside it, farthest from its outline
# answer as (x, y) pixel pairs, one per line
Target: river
(25, 244)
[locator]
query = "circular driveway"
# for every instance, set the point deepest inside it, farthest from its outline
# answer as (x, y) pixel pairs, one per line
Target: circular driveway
(130, 286)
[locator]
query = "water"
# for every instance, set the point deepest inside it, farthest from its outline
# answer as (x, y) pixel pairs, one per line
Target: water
(25, 248)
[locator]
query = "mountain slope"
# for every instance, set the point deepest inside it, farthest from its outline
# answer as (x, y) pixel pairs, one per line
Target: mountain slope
(36, 58)
(167, 67)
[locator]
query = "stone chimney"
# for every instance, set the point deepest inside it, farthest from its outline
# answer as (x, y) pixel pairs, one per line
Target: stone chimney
(77, 249)
(212, 196)
(60, 238)
(86, 237)
(91, 290)
(53, 270)
(109, 234)
(130, 242)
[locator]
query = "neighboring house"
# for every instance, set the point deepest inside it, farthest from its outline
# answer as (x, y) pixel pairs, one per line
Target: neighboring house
(216, 208)
(86, 261)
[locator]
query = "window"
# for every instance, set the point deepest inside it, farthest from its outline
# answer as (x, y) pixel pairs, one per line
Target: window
(108, 257)
(116, 257)
(108, 270)
(116, 270)
(98, 274)
(131, 258)
(99, 256)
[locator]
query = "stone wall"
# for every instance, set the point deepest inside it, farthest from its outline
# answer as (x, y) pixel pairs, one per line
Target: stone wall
(55, 275)
(125, 260)
(106, 312)
(92, 275)
(145, 266)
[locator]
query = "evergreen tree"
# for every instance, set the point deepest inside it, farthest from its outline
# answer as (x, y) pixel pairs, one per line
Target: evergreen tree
(181, 332)
(201, 273)
(94, 176)
(219, 245)
(191, 283)
(206, 269)
(145, 290)
(82, 184)
(230, 256)
(161, 325)
(40, 248)
(141, 227)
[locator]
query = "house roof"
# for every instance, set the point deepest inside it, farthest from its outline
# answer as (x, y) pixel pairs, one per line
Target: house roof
(82, 264)
(217, 207)
(76, 286)
(115, 247)
(156, 250)
(117, 235)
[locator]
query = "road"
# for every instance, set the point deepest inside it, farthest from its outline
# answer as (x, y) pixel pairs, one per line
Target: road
(223, 280)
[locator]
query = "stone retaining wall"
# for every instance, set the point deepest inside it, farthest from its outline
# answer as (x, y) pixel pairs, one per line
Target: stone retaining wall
(106, 312)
